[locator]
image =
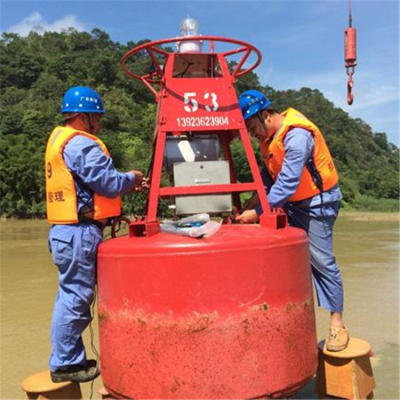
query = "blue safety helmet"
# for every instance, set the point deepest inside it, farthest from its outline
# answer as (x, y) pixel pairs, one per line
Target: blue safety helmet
(251, 102)
(82, 99)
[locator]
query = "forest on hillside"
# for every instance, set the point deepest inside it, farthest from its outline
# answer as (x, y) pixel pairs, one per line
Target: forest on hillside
(36, 70)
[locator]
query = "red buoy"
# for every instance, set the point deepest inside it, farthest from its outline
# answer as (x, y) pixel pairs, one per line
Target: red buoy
(229, 316)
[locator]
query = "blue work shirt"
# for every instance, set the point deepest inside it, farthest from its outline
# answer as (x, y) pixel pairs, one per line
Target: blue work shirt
(299, 147)
(93, 171)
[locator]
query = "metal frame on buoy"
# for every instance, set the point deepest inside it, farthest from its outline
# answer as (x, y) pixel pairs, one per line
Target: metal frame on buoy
(199, 105)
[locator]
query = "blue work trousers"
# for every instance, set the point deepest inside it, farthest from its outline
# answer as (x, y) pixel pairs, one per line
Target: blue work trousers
(318, 222)
(74, 251)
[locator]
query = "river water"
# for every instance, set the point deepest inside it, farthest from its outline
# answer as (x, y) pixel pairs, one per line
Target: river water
(367, 250)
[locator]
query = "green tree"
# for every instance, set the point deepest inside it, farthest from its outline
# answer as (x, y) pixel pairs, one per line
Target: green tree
(35, 72)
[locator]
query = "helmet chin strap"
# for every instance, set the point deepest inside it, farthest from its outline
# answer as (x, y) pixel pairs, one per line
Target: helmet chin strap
(91, 123)
(261, 118)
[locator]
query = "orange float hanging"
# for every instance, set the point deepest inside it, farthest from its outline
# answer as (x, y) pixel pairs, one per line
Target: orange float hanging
(350, 56)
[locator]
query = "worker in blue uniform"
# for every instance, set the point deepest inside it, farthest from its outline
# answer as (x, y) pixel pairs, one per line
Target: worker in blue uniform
(82, 193)
(300, 177)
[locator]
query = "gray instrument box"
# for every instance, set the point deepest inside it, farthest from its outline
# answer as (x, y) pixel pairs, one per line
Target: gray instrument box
(202, 173)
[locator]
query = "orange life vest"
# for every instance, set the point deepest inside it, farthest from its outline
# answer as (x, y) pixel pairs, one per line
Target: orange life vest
(61, 199)
(324, 176)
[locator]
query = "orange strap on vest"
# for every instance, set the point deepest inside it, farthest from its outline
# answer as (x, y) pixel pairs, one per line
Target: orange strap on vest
(61, 199)
(324, 176)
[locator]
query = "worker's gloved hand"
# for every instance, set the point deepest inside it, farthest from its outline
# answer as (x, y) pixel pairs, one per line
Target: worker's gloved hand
(247, 217)
(138, 179)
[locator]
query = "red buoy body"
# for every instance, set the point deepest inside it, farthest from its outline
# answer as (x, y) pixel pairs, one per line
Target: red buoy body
(230, 316)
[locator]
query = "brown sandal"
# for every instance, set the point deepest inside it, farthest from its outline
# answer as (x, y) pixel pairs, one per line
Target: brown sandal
(338, 338)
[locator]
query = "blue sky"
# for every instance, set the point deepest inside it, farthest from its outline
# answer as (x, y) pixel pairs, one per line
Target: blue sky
(301, 40)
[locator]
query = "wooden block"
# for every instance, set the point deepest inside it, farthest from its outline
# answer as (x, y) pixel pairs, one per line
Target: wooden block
(40, 386)
(338, 377)
(348, 373)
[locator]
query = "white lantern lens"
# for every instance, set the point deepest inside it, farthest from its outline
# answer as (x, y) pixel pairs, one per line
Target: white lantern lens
(189, 27)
